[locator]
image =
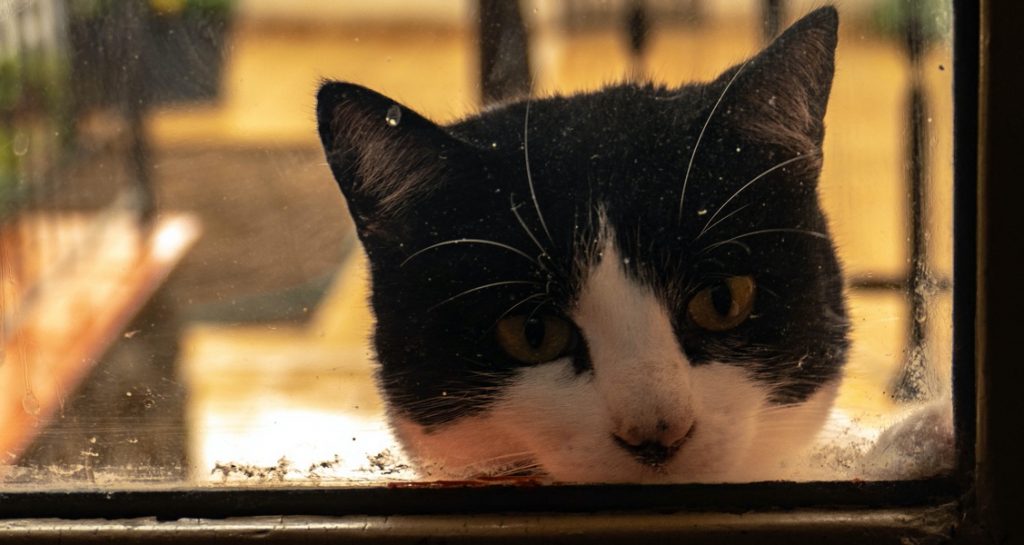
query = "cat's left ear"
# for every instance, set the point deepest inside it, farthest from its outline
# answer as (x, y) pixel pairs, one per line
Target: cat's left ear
(385, 157)
(782, 93)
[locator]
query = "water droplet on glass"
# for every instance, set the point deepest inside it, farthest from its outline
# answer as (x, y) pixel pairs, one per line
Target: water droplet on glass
(30, 404)
(394, 115)
(20, 144)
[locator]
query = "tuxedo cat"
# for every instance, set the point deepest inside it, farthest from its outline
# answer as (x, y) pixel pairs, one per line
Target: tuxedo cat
(635, 284)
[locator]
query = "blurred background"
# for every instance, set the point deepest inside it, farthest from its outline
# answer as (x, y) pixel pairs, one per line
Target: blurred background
(182, 299)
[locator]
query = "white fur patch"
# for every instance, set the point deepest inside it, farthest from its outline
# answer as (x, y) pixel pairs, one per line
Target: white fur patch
(642, 388)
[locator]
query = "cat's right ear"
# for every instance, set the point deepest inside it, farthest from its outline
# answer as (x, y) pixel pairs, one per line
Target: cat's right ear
(384, 156)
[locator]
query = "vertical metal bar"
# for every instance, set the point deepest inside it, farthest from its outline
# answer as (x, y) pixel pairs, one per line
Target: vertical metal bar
(1000, 300)
(771, 19)
(504, 51)
(967, 186)
(134, 105)
(637, 27)
(916, 379)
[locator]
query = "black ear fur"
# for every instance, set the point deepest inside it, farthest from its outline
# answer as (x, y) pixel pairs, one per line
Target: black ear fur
(384, 156)
(782, 93)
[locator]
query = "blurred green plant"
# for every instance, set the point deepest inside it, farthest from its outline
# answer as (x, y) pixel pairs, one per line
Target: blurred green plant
(207, 8)
(892, 18)
(33, 92)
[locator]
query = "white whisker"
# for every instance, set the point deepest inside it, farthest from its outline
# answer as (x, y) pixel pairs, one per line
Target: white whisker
(520, 303)
(483, 287)
(720, 220)
(529, 175)
(529, 233)
(748, 184)
(693, 154)
(470, 241)
(815, 234)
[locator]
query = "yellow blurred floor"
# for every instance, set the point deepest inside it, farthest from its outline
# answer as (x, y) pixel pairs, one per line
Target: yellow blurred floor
(260, 393)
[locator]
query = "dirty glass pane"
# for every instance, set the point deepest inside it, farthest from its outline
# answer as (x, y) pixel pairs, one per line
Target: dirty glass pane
(184, 294)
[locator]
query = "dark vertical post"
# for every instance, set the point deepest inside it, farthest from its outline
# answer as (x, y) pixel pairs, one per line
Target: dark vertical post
(504, 51)
(134, 104)
(771, 17)
(637, 26)
(1000, 222)
(916, 377)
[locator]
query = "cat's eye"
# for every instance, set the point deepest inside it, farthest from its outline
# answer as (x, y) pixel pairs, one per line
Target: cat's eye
(724, 305)
(535, 339)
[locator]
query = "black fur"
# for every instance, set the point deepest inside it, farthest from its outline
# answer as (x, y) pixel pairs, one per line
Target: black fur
(626, 151)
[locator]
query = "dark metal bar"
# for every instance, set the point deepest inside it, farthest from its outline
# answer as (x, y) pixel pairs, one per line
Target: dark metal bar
(771, 17)
(895, 284)
(902, 526)
(915, 376)
(637, 27)
(967, 260)
(134, 106)
(1000, 299)
(504, 51)
(429, 499)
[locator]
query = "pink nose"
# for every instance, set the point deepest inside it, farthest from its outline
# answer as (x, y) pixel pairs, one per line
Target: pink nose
(654, 446)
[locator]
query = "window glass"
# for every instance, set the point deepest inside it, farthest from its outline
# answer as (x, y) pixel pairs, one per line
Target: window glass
(186, 300)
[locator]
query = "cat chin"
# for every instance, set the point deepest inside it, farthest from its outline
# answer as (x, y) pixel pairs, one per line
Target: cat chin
(551, 423)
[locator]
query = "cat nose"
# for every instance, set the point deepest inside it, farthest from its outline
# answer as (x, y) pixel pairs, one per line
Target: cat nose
(657, 448)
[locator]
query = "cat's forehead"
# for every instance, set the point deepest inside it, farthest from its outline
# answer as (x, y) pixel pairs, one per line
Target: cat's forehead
(621, 114)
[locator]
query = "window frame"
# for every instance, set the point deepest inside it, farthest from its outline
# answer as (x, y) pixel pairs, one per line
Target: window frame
(978, 502)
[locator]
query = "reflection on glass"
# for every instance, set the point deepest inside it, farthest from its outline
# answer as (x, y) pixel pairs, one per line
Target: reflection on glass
(184, 296)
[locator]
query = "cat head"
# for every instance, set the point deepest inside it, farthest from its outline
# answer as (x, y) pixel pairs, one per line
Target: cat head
(632, 284)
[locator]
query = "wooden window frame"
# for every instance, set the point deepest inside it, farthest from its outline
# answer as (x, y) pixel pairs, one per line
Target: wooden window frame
(979, 503)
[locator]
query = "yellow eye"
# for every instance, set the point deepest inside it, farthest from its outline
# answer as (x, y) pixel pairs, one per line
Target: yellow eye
(723, 306)
(535, 339)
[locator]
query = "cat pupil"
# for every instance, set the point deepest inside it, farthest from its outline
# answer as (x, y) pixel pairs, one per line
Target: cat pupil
(721, 298)
(533, 332)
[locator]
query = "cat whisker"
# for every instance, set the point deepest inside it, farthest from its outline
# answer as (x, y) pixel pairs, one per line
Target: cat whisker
(471, 241)
(515, 211)
(529, 174)
(741, 245)
(760, 176)
(700, 136)
(483, 287)
(533, 312)
(815, 234)
(520, 303)
(709, 227)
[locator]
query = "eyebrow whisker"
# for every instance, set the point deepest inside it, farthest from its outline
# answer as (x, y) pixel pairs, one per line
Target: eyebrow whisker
(471, 241)
(483, 287)
(748, 184)
(700, 136)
